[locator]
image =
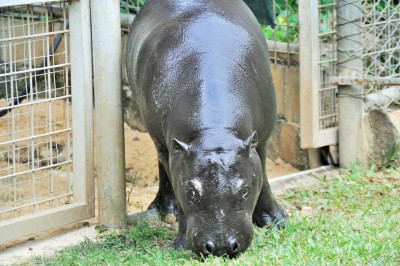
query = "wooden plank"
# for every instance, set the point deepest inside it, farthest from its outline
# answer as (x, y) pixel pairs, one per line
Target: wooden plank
(82, 103)
(37, 222)
(308, 82)
(311, 134)
(110, 163)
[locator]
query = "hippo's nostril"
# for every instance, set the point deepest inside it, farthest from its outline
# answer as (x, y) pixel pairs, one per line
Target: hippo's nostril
(234, 247)
(209, 248)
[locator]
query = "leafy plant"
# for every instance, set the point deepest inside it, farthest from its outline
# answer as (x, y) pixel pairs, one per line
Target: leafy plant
(392, 157)
(287, 22)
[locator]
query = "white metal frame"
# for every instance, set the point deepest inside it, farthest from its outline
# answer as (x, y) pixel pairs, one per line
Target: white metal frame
(312, 136)
(82, 124)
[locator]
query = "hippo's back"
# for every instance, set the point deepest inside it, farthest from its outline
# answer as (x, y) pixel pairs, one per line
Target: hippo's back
(184, 58)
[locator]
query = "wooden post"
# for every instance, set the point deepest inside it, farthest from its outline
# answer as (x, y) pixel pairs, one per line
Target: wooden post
(350, 64)
(110, 159)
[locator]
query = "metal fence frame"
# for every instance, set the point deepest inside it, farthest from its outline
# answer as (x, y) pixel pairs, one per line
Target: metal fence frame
(314, 66)
(82, 206)
(313, 77)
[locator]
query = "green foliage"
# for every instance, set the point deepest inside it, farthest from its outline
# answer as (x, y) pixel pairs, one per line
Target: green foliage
(351, 219)
(287, 22)
(391, 158)
(136, 4)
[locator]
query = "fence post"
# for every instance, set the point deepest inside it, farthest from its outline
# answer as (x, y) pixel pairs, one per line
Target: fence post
(350, 64)
(110, 159)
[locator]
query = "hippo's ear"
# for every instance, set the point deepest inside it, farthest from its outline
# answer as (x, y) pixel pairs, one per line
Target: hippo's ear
(252, 141)
(179, 146)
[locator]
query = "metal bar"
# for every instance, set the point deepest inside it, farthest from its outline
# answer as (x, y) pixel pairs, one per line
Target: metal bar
(34, 70)
(37, 169)
(327, 33)
(382, 98)
(27, 37)
(37, 102)
(5, 3)
(382, 51)
(36, 136)
(364, 81)
(327, 116)
(36, 202)
(327, 61)
(109, 114)
(275, 46)
(38, 10)
(327, 5)
(377, 23)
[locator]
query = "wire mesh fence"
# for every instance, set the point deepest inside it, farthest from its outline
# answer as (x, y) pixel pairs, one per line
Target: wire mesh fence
(35, 109)
(328, 107)
(381, 40)
(381, 53)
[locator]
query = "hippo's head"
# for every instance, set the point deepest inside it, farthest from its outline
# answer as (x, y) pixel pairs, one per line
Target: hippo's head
(217, 183)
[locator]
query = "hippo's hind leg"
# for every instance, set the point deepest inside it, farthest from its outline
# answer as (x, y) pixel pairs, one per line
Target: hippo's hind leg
(165, 200)
(267, 212)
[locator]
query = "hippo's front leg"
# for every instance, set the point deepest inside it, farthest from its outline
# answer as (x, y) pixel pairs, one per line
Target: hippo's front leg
(180, 241)
(267, 211)
(165, 201)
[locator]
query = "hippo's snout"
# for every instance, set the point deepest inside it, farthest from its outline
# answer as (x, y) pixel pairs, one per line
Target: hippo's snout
(219, 246)
(231, 237)
(232, 248)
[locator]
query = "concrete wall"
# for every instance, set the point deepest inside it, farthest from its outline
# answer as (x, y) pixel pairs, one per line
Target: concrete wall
(285, 140)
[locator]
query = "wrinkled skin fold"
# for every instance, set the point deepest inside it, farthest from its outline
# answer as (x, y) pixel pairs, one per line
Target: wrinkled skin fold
(200, 73)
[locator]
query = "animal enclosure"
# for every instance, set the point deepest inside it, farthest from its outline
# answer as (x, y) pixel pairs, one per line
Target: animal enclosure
(46, 119)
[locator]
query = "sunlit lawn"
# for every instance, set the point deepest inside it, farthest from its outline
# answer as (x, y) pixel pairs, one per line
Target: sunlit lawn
(353, 219)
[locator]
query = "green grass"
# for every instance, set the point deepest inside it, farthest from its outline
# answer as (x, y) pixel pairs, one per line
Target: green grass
(353, 219)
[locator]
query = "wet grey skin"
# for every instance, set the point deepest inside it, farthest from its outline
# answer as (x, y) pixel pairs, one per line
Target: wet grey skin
(199, 71)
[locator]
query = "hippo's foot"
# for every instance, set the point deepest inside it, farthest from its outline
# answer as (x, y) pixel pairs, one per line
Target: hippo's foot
(272, 215)
(268, 213)
(180, 242)
(166, 206)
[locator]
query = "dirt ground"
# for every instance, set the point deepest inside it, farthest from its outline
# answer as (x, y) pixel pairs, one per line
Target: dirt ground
(142, 170)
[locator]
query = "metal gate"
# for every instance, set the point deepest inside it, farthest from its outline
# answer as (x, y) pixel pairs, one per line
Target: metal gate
(378, 22)
(46, 123)
(318, 57)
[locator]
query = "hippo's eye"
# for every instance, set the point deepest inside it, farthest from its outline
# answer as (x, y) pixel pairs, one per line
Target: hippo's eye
(245, 193)
(192, 195)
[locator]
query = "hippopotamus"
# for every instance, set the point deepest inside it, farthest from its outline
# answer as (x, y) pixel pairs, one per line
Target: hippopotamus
(200, 73)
